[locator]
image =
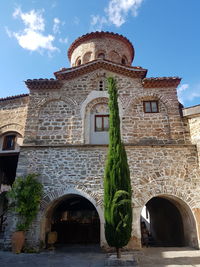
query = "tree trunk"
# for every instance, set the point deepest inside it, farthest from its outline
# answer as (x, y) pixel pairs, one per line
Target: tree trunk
(118, 253)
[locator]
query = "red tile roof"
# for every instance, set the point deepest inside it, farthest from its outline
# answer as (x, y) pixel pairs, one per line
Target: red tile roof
(101, 34)
(70, 73)
(13, 97)
(161, 82)
(43, 84)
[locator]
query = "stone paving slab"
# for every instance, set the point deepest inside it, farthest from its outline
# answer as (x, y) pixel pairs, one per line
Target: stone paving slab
(64, 257)
(94, 257)
(164, 257)
(126, 259)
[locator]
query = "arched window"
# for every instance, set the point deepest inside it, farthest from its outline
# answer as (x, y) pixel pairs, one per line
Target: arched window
(78, 61)
(114, 56)
(87, 57)
(124, 60)
(101, 55)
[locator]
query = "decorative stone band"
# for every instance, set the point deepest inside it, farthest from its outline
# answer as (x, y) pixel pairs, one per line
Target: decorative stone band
(70, 73)
(43, 84)
(161, 82)
(94, 35)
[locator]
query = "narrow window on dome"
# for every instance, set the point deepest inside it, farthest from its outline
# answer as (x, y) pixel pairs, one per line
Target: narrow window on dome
(101, 55)
(150, 106)
(79, 62)
(124, 60)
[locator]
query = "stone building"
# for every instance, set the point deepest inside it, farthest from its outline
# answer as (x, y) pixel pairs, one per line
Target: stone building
(60, 131)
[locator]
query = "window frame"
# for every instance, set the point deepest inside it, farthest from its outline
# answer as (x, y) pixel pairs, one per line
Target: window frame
(151, 110)
(102, 122)
(4, 146)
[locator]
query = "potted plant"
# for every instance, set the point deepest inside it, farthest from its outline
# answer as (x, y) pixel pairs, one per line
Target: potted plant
(24, 197)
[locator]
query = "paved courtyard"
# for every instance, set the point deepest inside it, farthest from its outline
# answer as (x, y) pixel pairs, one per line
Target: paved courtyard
(94, 257)
(170, 257)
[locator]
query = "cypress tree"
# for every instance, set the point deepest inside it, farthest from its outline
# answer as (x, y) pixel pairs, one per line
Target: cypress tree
(117, 186)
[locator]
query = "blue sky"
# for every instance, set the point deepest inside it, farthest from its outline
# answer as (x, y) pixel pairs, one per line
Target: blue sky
(36, 34)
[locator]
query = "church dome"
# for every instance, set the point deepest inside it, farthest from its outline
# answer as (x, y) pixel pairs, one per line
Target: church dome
(106, 45)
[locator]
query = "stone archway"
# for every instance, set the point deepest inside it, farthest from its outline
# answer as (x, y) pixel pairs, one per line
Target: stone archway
(54, 201)
(171, 222)
(76, 221)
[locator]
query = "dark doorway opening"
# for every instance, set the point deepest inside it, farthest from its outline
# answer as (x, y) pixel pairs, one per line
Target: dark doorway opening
(165, 223)
(76, 221)
(8, 166)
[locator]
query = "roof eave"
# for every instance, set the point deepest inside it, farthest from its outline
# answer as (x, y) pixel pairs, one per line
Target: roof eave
(159, 82)
(135, 72)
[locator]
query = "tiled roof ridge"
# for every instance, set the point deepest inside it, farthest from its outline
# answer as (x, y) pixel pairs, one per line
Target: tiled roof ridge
(70, 73)
(43, 83)
(162, 78)
(96, 61)
(41, 79)
(13, 97)
(96, 34)
(161, 82)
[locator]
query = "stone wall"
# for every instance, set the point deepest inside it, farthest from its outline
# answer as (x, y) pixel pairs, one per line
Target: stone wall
(13, 114)
(192, 115)
(170, 170)
(194, 124)
(152, 168)
(54, 116)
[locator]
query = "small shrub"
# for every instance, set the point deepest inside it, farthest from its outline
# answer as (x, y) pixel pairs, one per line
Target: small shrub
(25, 197)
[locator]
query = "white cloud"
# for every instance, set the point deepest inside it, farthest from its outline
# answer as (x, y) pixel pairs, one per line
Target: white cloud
(34, 41)
(63, 40)
(97, 22)
(186, 93)
(56, 26)
(32, 37)
(116, 12)
(182, 88)
(180, 91)
(33, 19)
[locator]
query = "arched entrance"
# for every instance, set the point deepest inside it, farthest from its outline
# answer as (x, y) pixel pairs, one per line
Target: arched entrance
(170, 222)
(76, 221)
